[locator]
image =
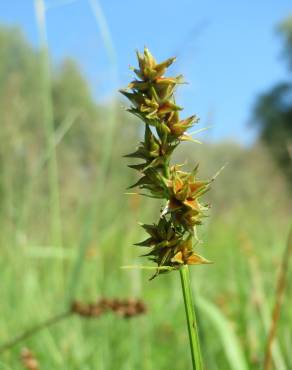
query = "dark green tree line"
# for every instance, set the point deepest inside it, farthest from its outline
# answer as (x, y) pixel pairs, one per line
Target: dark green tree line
(273, 110)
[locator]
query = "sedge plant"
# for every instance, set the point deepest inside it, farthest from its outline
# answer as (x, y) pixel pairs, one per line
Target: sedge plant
(172, 239)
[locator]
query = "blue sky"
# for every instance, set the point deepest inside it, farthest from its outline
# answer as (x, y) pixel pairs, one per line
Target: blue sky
(228, 50)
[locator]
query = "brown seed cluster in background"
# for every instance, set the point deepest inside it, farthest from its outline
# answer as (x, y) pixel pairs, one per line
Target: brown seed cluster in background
(29, 360)
(126, 308)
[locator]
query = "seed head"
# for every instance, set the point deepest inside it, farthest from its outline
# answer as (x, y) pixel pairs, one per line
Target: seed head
(152, 100)
(126, 308)
(29, 360)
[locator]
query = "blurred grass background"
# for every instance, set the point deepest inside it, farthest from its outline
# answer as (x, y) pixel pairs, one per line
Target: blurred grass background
(67, 227)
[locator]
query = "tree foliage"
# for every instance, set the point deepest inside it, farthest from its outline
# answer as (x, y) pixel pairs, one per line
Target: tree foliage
(273, 110)
(22, 133)
(81, 131)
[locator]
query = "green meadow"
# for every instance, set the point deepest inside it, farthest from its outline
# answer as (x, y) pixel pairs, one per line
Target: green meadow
(67, 227)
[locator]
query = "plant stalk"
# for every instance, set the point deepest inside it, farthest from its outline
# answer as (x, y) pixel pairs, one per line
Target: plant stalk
(48, 117)
(34, 330)
(281, 286)
(191, 319)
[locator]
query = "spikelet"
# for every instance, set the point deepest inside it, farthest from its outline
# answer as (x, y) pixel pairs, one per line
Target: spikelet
(29, 360)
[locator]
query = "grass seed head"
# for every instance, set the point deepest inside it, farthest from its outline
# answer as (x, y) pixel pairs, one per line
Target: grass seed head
(152, 100)
(29, 360)
(126, 308)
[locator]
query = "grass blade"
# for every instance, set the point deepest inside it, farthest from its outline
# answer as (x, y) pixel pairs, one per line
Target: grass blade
(281, 286)
(229, 340)
(49, 125)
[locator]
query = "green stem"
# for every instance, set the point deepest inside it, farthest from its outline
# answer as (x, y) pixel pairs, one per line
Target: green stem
(34, 330)
(191, 319)
(48, 117)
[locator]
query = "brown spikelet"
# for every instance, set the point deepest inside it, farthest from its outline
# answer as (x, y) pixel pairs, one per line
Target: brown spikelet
(126, 308)
(29, 360)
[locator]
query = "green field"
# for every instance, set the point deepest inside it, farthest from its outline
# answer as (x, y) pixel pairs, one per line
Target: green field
(245, 236)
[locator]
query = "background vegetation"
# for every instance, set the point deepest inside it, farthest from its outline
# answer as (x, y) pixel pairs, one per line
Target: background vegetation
(67, 227)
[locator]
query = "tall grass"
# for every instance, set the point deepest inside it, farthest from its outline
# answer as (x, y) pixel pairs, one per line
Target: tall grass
(48, 121)
(32, 293)
(104, 162)
(279, 297)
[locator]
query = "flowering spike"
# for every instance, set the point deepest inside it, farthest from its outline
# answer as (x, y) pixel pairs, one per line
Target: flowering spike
(171, 239)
